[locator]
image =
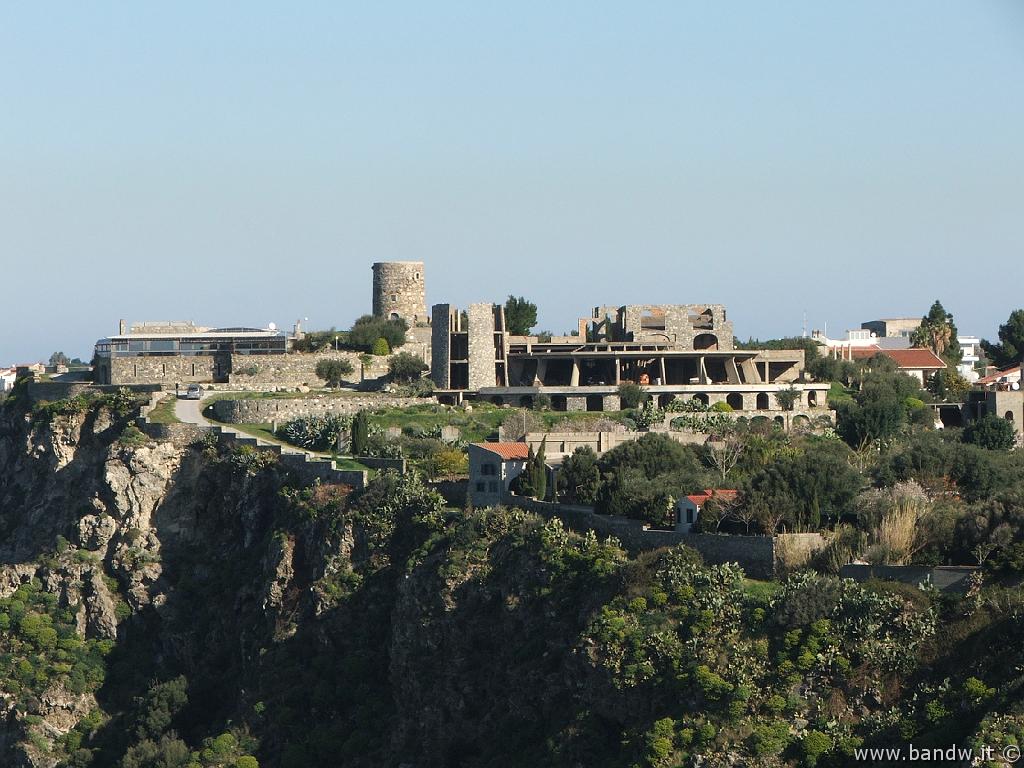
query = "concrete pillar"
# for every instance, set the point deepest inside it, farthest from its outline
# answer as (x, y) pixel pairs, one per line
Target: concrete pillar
(703, 371)
(731, 371)
(575, 380)
(661, 368)
(618, 371)
(542, 372)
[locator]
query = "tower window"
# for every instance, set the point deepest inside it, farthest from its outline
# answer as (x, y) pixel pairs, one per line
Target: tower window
(394, 298)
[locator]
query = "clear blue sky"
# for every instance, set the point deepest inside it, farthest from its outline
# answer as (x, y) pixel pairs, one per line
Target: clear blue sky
(240, 163)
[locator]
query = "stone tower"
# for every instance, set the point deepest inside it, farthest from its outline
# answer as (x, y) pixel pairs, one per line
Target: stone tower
(399, 290)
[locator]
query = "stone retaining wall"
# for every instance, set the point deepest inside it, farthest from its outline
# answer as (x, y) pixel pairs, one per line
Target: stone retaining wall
(755, 554)
(951, 578)
(266, 410)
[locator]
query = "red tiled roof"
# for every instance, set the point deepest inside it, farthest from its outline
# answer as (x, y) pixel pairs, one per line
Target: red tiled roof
(507, 451)
(700, 498)
(994, 377)
(914, 358)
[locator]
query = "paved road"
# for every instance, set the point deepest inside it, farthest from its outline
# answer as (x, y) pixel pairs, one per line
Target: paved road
(191, 412)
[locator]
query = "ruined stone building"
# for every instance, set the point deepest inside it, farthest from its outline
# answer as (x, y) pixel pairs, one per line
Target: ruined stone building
(673, 351)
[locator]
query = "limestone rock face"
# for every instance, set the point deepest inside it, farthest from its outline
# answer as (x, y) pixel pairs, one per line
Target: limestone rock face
(95, 531)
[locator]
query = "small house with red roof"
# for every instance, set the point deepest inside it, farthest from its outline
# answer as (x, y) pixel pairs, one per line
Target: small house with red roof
(492, 467)
(919, 362)
(688, 508)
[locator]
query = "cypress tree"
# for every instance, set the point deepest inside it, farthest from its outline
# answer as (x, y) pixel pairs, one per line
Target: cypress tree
(360, 433)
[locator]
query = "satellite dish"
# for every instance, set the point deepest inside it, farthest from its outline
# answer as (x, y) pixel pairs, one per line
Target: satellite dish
(1015, 386)
(272, 327)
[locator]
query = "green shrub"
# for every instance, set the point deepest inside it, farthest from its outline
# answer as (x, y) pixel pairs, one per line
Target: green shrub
(381, 348)
(132, 437)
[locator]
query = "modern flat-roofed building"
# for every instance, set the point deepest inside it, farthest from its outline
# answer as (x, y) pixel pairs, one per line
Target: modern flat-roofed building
(172, 353)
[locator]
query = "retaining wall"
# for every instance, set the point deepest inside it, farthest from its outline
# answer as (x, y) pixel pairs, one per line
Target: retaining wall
(755, 554)
(946, 578)
(269, 409)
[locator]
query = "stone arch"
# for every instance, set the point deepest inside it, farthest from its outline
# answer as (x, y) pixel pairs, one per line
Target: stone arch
(701, 398)
(393, 316)
(705, 341)
(595, 403)
(526, 401)
(779, 421)
(812, 399)
(735, 401)
(1008, 416)
(559, 403)
(763, 404)
(665, 400)
(496, 399)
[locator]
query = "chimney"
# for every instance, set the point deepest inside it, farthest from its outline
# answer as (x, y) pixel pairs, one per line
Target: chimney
(122, 327)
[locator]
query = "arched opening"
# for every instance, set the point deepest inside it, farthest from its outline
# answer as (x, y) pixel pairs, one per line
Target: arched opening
(779, 421)
(762, 401)
(705, 341)
(665, 400)
(735, 401)
(393, 316)
(496, 399)
(1009, 416)
(595, 403)
(801, 422)
(700, 397)
(812, 399)
(526, 401)
(558, 403)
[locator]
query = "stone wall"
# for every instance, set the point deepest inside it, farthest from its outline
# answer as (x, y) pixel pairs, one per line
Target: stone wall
(293, 370)
(481, 346)
(443, 322)
(308, 470)
(168, 369)
(951, 578)
(59, 390)
(264, 410)
(755, 554)
(564, 443)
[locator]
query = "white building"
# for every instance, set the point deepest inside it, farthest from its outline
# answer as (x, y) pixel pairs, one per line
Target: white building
(7, 376)
(970, 347)
(492, 468)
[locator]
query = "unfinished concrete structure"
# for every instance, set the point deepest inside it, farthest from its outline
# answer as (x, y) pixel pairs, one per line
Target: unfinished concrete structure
(673, 352)
(468, 349)
(399, 290)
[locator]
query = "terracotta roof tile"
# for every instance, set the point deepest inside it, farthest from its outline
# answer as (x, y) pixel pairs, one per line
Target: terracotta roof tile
(915, 357)
(993, 378)
(507, 451)
(700, 498)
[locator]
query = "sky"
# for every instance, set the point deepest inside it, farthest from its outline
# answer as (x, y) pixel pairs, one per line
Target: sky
(242, 163)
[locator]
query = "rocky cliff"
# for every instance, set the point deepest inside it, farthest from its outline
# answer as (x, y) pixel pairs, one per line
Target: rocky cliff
(196, 605)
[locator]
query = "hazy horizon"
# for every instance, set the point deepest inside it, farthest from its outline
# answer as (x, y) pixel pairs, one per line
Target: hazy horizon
(191, 162)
